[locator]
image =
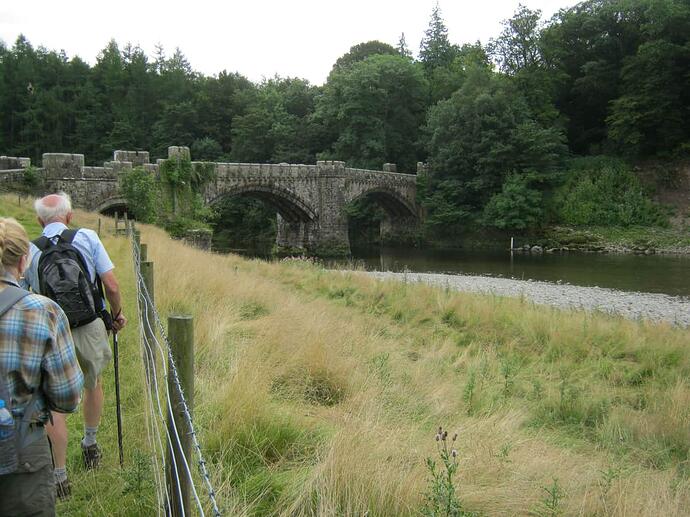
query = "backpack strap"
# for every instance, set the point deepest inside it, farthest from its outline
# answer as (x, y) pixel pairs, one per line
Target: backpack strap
(42, 243)
(9, 296)
(25, 435)
(67, 235)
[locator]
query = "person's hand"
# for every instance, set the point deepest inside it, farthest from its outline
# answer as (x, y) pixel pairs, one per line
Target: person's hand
(119, 322)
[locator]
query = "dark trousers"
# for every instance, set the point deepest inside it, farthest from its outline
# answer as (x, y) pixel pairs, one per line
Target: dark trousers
(31, 490)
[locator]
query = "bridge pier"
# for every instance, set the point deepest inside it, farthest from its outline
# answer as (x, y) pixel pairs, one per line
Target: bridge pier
(332, 238)
(293, 236)
(399, 229)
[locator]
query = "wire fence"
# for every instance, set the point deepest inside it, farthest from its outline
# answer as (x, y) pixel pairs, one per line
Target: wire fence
(162, 431)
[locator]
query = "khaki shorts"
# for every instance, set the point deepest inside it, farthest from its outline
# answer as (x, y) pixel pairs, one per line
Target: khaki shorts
(93, 350)
(31, 491)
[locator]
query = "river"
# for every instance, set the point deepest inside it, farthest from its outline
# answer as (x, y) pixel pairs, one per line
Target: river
(668, 274)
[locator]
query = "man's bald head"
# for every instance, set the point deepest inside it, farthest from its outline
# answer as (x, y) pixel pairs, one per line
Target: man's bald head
(54, 208)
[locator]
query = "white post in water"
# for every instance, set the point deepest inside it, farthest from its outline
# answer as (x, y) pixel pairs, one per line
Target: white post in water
(511, 244)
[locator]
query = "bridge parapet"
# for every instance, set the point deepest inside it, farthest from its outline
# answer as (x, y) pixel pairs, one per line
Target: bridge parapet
(311, 199)
(137, 158)
(63, 165)
(14, 162)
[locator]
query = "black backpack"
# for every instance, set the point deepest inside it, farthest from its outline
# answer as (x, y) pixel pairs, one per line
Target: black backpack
(15, 440)
(64, 278)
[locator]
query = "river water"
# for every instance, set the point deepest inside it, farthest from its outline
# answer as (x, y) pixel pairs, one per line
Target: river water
(669, 274)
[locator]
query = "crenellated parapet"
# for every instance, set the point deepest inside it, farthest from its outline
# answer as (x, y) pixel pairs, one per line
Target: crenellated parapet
(310, 199)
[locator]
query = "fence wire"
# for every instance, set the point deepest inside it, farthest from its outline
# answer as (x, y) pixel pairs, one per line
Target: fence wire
(154, 341)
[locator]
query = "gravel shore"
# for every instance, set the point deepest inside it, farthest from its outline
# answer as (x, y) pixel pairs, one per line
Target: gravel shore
(631, 305)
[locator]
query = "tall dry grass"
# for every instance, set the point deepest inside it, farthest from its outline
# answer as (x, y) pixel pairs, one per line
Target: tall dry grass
(319, 392)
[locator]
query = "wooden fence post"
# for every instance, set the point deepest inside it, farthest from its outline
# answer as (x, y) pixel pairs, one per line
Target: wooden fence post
(143, 252)
(99, 227)
(126, 225)
(149, 324)
(181, 336)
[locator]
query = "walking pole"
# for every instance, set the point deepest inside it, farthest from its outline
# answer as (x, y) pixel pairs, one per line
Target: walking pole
(117, 396)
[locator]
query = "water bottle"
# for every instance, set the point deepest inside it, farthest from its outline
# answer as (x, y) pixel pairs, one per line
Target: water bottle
(6, 422)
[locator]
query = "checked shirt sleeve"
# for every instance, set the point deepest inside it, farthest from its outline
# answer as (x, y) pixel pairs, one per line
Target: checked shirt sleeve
(62, 377)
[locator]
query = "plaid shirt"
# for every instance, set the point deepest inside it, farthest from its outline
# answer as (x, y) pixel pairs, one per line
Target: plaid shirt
(37, 353)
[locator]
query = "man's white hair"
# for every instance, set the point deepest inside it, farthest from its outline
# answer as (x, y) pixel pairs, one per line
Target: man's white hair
(49, 214)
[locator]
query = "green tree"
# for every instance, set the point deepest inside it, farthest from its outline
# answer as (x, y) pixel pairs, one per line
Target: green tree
(206, 149)
(652, 114)
(518, 47)
(403, 48)
(435, 49)
(362, 51)
(219, 100)
(518, 53)
(277, 125)
(373, 111)
(478, 137)
(444, 81)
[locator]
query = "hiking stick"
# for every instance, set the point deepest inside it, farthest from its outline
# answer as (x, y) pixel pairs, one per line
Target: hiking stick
(116, 363)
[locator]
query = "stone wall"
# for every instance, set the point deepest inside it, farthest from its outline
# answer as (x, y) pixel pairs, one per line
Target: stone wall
(13, 162)
(136, 158)
(310, 199)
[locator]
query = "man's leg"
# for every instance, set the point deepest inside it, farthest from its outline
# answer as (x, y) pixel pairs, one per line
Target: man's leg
(93, 352)
(92, 405)
(92, 408)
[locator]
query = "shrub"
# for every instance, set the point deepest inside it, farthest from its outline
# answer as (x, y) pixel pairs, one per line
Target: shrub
(140, 189)
(177, 226)
(516, 207)
(602, 191)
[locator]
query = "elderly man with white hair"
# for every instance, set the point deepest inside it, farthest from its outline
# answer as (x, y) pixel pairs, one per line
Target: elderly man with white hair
(91, 339)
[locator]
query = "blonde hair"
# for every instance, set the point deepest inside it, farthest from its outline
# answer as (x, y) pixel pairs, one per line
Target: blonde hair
(14, 242)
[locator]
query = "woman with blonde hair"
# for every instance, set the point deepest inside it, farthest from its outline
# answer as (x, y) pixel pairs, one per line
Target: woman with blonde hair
(39, 372)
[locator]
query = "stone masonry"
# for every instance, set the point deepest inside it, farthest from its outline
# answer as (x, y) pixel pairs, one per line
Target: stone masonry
(310, 199)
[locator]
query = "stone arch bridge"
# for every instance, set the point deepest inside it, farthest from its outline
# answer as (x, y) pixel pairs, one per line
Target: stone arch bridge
(310, 199)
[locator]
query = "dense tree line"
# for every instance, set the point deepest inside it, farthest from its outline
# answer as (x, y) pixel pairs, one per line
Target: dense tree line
(498, 123)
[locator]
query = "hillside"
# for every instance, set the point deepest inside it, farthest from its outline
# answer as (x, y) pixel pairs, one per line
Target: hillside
(319, 393)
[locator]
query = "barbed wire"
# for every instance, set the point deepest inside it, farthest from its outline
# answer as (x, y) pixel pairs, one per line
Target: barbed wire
(152, 422)
(152, 376)
(144, 301)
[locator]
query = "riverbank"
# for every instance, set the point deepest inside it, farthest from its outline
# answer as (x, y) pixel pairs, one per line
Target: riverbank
(639, 240)
(630, 305)
(320, 392)
(635, 239)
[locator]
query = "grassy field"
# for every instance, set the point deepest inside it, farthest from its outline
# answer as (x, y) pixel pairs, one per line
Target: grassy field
(319, 393)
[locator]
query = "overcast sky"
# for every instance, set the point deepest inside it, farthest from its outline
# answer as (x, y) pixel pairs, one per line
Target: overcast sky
(257, 38)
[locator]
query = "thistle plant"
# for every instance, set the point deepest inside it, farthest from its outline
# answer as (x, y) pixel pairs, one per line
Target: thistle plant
(441, 497)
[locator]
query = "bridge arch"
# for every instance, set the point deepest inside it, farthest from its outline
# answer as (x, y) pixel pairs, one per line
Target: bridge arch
(112, 205)
(289, 205)
(394, 204)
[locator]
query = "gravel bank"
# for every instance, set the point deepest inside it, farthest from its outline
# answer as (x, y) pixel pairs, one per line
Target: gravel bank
(631, 305)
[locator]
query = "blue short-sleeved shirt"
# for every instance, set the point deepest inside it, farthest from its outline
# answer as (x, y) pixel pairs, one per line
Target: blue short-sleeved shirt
(88, 244)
